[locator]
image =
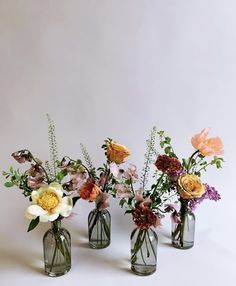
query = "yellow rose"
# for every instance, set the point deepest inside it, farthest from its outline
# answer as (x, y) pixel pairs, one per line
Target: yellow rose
(117, 152)
(190, 187)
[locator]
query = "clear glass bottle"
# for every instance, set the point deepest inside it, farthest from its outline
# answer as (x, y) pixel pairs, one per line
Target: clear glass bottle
(143, 251)
(99, 228)
(57, 250)
(183, 232)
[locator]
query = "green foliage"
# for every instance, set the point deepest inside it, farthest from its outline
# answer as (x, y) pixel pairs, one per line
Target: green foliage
(15, 178)
(33, 224)
(217, 161)
(165, 143)
(199, 163)
(61, 175)
(122, 202)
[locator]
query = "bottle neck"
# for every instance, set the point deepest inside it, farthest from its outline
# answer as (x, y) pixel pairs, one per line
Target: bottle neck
(184, 207)
(56, 225)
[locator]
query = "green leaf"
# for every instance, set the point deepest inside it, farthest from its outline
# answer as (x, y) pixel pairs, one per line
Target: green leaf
(9, 184)
(60, 175)
(33, 224)
(167, 140)
(122, 202)
(218, 165)
(11, 169)
(128, 211)
(167, 149)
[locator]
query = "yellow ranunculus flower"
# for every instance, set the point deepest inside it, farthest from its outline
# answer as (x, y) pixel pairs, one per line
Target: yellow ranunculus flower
(117, 152)
(190, 187)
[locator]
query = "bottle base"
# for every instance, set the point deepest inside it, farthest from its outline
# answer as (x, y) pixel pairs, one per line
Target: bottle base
(98, 246)
(143, 270)
(186, 245)
(53, 274)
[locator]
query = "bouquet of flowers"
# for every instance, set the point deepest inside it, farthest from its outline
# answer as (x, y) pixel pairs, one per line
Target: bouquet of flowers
(95, 185)
(183, 178)
(146, 204)
(41, 183)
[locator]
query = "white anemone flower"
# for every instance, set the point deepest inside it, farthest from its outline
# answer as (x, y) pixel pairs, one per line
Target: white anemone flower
(48, 203)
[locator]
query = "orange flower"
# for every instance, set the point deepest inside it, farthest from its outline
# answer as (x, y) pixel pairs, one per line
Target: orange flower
(89, 191)
(190, 187)
(117, 152)
(207, 147)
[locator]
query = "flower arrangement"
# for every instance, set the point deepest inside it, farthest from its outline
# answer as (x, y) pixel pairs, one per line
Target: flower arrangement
(95, 185)
(42, 184)
(183, 179)
(146, 204)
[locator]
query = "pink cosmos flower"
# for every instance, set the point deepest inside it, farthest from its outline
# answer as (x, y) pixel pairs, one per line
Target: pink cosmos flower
(131, 173)
(77, 180)
(123, 191)
(115, 170)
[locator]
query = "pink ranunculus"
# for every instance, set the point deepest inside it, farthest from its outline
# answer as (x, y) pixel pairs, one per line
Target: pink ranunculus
(207, 146)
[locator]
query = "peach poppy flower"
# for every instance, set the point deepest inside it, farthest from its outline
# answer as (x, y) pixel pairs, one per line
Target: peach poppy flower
(207, 146)
(89, 191)
(117, 152)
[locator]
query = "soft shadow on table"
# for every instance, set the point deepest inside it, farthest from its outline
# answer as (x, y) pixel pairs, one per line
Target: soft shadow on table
(23, 259)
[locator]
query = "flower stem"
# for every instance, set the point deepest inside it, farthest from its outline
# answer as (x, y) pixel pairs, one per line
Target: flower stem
(190, 160)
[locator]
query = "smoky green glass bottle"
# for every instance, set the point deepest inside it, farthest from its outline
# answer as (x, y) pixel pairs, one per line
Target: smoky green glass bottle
(57, 250)
(143, 251)
(99, 228)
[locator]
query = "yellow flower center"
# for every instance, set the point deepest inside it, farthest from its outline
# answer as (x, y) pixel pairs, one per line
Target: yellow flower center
(48, 201)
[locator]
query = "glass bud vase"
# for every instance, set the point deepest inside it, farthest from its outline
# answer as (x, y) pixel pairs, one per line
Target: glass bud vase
(183, 232)
(57, 250)
(99, 228)
(143, 251)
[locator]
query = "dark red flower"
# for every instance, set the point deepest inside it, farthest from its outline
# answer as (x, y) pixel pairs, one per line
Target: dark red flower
(167, 164)
(162, 163)
(144, 218)
(174, 166)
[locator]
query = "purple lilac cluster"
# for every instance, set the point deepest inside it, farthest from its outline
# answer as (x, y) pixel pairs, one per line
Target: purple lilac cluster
(210, 194)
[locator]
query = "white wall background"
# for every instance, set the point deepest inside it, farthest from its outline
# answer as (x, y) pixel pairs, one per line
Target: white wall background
(115, 68)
